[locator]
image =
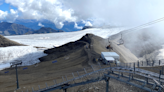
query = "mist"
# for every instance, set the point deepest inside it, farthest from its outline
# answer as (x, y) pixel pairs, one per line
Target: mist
(145, 43)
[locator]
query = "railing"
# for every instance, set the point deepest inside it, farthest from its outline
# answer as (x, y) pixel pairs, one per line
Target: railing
(124, 72)
(128, 71)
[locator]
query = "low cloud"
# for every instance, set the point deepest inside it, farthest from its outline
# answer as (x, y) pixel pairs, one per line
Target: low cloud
(40, 24)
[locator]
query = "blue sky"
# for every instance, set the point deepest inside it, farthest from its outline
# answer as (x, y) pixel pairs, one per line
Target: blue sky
(5, 6)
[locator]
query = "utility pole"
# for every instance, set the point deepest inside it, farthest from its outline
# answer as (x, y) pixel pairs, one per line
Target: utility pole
(16, 73)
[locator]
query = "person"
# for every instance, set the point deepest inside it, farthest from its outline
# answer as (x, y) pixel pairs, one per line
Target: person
(108, 47)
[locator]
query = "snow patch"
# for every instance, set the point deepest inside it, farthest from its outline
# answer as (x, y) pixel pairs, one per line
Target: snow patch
(27, 54)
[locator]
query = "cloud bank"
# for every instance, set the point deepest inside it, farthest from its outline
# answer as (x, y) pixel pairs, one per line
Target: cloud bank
(100, 12)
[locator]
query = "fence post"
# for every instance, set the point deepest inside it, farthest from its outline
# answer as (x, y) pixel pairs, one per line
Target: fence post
(159, 75)
(32, 89)
(159, 62)
(134, 67)
(55, 82)
(146, 80)
(162, 70)
(147, 62)
(107, 83)
(85, 70)
(153, 63)
(99, 65)
(66, 77)
(129, 77)
(46, 85)
(73, 77)
(138, 63)
(142, 63)
(65, 90)
(39, 87)
(63, 78)
(92, 68)
(122, 74)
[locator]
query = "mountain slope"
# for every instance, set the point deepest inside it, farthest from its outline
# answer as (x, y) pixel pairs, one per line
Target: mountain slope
(13, 29)
(4, 42)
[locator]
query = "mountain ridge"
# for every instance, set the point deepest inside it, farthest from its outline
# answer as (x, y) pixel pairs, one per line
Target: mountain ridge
(7, 29)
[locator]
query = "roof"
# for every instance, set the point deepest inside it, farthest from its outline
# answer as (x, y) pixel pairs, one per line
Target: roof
(109, 54)
(109, 58)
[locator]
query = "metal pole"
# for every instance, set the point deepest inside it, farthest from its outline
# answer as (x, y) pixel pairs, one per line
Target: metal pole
(17, 77)
(160, 75)
(146, 80)
(162, 70)
(134, 67)
(147, 62)
(65, 90)
(153, 63)
(107, 84)
(39, 87)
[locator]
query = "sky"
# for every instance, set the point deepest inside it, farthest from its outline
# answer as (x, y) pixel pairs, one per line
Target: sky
(90, 12)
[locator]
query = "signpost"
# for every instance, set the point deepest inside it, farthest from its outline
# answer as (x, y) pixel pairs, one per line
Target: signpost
(15, 64)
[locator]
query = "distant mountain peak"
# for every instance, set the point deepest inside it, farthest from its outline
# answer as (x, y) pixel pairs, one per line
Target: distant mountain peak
(46, 30)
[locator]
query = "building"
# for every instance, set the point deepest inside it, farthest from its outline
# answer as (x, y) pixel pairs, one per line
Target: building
(109, 57)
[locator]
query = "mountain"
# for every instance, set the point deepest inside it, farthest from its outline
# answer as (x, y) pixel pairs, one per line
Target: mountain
(4, 42)
(46, 30)
(13, 29)
(33, 24)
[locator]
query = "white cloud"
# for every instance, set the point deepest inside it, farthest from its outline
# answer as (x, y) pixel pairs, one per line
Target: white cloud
(3, 14)
(77, 27)
(117, 12)
(106, 12)
(52, 10)
(10, 17)
(88, 23)
(40, 24)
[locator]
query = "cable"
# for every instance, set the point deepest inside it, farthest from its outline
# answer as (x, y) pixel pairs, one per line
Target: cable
(143, 25)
